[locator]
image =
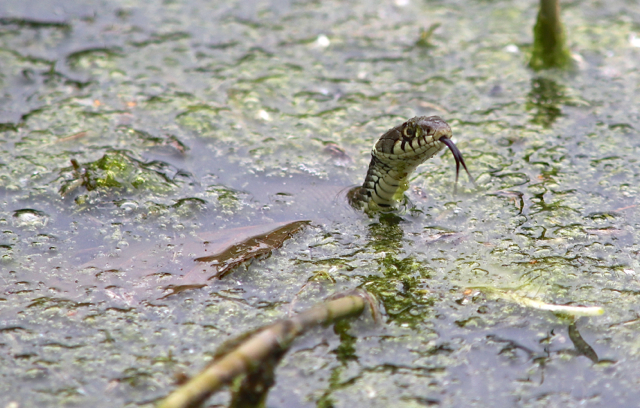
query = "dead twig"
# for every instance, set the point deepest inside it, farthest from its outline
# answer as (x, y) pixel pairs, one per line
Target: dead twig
(254, 350)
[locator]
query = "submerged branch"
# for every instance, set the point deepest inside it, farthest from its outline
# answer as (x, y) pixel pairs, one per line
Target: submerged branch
(259, 347)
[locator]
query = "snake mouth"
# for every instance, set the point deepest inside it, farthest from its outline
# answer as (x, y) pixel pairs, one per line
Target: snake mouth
(459, 159)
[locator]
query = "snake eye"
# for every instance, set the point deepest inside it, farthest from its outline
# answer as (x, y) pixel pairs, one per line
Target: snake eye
(409, 131)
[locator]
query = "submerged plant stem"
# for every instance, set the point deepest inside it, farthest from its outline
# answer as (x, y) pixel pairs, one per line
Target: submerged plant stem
(549, 41)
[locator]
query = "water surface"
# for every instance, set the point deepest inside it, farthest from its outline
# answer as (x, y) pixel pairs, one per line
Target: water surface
(194, 121)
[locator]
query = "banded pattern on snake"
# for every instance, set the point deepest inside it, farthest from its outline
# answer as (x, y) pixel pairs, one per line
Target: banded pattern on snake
(396, 155)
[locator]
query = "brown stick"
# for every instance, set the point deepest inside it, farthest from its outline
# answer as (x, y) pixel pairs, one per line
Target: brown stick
(258, 347)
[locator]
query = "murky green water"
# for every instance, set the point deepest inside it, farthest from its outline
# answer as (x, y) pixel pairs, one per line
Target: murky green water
(192, 122)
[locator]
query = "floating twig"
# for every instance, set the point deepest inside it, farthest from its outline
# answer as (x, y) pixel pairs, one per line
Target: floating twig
(512, 296)
(249, 352)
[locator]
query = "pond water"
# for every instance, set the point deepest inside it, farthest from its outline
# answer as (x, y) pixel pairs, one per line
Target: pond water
(137, 136)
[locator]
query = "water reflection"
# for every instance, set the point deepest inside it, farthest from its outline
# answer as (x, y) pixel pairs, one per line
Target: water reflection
(544, 100)
(401, 286)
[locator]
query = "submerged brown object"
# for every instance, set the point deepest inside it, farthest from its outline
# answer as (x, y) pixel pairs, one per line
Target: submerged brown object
(250, 248)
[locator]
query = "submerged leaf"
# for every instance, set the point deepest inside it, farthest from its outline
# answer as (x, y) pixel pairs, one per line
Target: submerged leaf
(251, 248)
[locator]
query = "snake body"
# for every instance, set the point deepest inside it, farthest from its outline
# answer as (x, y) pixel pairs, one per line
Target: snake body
(396, 155)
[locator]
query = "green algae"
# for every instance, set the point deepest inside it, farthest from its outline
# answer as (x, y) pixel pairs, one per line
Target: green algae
(190, 119)
(118, 171)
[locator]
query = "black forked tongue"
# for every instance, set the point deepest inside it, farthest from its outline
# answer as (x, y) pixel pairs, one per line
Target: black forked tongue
(458, 156)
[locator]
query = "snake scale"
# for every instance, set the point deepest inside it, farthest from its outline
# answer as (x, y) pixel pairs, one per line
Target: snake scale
(396, 155)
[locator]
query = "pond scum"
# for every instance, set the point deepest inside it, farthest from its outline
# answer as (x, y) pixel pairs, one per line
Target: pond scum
(171, 176)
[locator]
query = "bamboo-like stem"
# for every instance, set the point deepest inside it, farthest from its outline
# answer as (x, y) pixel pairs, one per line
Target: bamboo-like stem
(260, 346)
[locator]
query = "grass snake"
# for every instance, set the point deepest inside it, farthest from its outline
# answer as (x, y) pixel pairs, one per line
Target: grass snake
(396, 155)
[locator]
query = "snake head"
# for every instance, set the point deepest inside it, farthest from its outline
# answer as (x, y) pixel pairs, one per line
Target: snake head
(425, 126)
(412, 143)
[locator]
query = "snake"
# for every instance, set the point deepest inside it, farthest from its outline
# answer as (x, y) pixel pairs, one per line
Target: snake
(395, 155)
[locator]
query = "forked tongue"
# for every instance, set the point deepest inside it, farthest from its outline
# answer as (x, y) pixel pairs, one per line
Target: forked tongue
(458, 156)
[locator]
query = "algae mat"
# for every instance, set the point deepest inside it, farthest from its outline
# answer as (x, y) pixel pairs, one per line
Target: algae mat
(151, 131)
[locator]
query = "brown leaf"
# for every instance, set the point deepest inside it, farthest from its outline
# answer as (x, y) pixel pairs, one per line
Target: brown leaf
(251, 248)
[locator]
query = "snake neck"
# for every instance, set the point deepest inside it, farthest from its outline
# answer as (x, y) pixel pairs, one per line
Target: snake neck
(383, 187)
